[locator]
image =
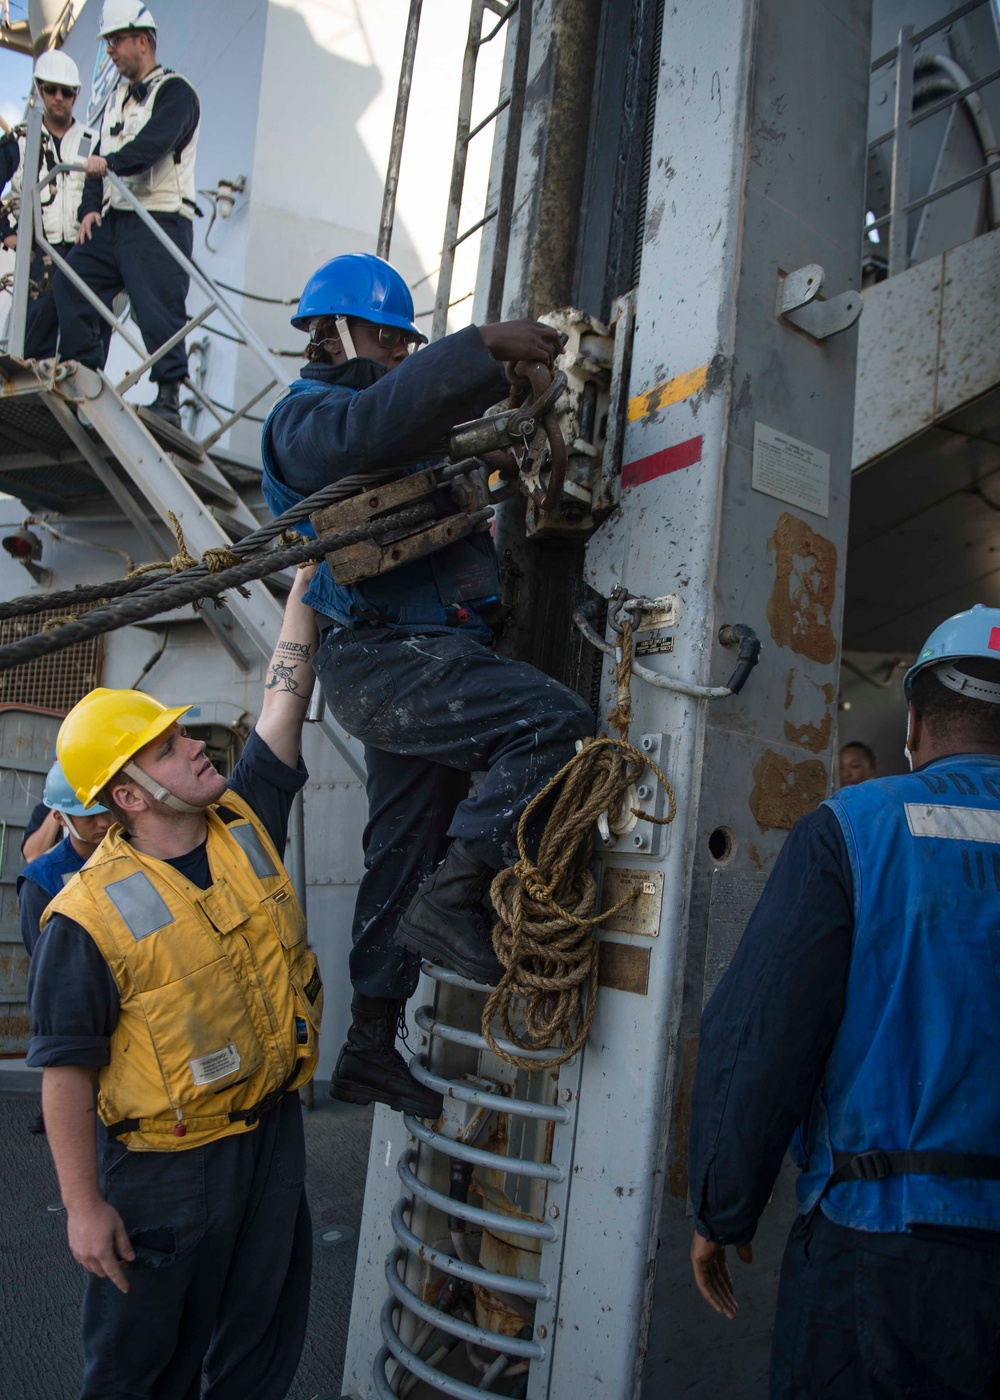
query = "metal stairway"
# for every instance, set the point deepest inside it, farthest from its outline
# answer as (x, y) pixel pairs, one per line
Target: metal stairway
(69, 438)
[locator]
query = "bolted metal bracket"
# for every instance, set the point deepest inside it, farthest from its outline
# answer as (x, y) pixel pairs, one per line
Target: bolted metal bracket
(798, 303)
(632, 835)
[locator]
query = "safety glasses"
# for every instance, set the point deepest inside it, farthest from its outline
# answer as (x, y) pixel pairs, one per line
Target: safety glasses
(391, 336)
(56, 89)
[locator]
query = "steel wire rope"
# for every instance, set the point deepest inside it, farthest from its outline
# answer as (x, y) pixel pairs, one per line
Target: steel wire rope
(546, 907)
(30, 603)
(164, 596)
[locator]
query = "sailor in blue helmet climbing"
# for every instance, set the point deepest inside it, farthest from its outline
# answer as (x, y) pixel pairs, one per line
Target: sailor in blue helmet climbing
(861, 1011)
(406, 660)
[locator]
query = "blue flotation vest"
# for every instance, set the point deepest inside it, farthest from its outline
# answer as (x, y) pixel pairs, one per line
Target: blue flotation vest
(914, 1066)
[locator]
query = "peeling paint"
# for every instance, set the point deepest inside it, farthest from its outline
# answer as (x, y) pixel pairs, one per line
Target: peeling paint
(800, 608)
(784, 791)
(808, 695)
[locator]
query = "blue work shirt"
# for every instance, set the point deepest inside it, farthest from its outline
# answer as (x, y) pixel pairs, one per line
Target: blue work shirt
(769, 1029)
(73, 996)
(359, 417)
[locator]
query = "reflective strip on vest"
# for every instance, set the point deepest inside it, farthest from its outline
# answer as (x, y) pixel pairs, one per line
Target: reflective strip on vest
(954, 823)
(252, 849)
(137, 901)
(220, 996)
(913, 1065)
(168, 186)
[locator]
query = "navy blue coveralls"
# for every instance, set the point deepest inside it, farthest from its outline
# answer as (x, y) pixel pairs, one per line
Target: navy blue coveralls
(222, 1234)
(122, 253)
(41, 329)
(888, 1287)
(405, 660)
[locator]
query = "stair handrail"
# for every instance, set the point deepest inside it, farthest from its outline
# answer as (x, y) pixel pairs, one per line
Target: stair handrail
(217, 302)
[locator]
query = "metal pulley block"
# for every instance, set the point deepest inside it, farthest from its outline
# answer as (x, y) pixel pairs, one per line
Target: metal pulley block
(392, 547)
(553, 433)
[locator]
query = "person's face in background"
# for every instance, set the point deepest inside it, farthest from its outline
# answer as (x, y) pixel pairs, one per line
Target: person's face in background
(855, 766)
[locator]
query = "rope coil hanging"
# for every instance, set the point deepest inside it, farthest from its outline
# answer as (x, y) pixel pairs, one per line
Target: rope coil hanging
(546, 908)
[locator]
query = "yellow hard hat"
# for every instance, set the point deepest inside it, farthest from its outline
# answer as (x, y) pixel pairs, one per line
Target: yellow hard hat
(103, 731)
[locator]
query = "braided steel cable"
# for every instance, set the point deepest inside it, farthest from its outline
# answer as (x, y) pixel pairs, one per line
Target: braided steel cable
(30, 603)
(166, 594)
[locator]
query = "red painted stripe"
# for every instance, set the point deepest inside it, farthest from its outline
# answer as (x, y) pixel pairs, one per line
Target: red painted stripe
(994, 642)
(671, 459)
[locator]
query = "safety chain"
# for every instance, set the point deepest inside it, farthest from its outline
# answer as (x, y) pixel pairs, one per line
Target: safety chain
(546, 908)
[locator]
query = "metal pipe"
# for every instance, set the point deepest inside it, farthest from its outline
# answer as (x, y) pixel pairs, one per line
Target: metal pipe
(490, 1220)
(950, 18)
(471, 1039)
(694, 692)
(25, 230)
(440, 323)
(469, 1273)
(493, 1341)
(297, 849)
(493, 1161)
(480, 1098)
(899, 228)
(398, 129)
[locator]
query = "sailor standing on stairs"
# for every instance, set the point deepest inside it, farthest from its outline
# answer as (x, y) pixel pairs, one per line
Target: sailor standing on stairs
(65, 141)
(172, 989)
(405, 659)
(149, 133)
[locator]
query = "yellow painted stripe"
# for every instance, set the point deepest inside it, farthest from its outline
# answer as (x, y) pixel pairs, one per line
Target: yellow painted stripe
(662, 395)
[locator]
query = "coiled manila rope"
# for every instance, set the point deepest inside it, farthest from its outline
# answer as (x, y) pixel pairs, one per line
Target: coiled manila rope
(544, 935)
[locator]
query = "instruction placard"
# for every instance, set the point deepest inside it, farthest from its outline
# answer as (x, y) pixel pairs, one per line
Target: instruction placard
(791, 470)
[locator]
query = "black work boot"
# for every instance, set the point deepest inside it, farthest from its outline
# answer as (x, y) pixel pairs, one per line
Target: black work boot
(370, 1067)
(446, 919)
(167, 404)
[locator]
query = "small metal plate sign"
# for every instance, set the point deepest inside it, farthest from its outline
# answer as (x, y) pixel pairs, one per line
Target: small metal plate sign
(790, 470)
(641, 915)
(654, 646)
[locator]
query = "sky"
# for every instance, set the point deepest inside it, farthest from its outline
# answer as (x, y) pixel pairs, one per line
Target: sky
(15, 77)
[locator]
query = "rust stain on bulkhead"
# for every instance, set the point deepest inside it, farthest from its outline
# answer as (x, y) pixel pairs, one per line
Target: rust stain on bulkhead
(784, 791)
(806, 694)
(800, 608)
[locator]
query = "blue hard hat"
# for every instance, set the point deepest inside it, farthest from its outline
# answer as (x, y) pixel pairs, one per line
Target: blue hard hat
(58, 796)
(357, 284)
(975, 632)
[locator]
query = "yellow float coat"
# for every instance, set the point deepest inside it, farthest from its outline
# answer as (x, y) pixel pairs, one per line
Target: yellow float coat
(221, 998)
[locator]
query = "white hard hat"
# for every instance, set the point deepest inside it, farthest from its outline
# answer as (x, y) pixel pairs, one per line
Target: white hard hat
(54, 66)
(119, 15)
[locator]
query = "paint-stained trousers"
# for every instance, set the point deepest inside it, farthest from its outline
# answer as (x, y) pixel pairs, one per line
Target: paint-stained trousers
(431, 710)
(123, 255)
(220, 1282)
(868, 1316)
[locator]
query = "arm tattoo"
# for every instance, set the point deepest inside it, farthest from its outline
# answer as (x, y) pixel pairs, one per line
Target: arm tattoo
(301, 651)
(282, 678)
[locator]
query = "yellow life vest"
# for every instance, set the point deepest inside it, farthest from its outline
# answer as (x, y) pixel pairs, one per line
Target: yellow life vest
(221, 999)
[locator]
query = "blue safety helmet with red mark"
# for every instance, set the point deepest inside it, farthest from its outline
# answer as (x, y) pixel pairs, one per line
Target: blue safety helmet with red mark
(974, 633)
(361, 285)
